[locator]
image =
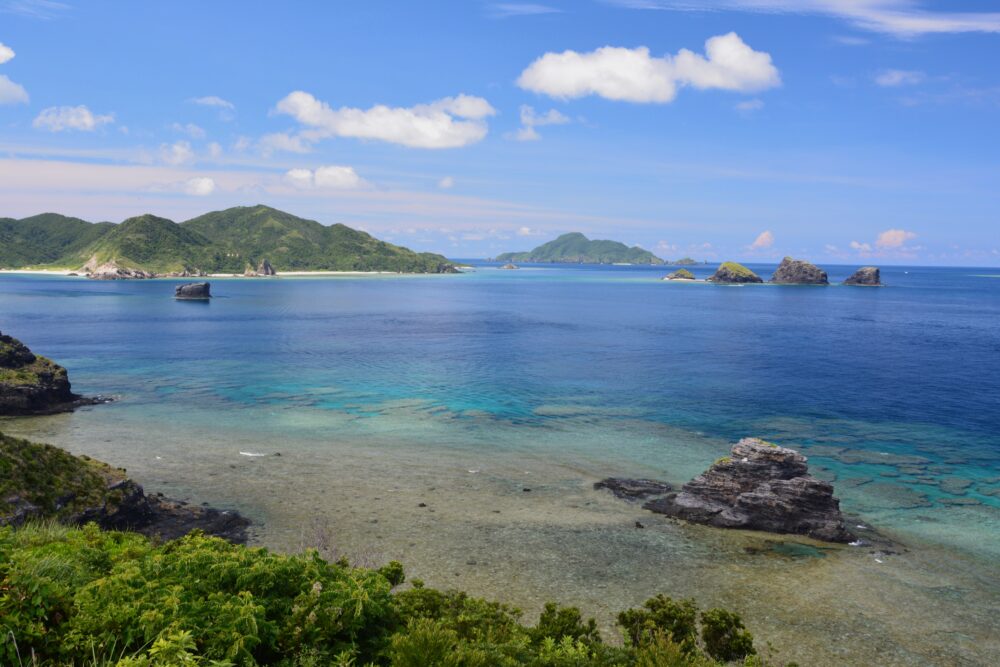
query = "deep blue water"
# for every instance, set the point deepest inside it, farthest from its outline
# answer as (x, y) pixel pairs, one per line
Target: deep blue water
(911, 369)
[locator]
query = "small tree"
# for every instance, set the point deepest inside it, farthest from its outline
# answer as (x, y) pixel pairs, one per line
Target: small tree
(725, 636)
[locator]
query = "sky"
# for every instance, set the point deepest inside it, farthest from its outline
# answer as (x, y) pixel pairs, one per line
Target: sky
(839, 131)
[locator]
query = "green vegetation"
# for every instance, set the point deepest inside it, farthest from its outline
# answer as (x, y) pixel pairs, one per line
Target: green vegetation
(222, 241)
(19, 367)
(737, 269)
(681, 274)
(50, 479)
(84, 597)
(685, 261)
(575, 248)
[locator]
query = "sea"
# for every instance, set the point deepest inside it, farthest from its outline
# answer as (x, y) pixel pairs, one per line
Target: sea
(458, 423)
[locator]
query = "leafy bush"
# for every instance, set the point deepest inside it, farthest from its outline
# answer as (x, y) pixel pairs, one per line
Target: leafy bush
(90, 598)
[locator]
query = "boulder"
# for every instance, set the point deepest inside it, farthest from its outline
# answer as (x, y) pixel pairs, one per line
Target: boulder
(509, 267)
(30, 384)
(199, 291)
(798, 272)
(867, 276)
(680, 274)
(733, 273)
(633, 489)
(112, 271)
(760, 486)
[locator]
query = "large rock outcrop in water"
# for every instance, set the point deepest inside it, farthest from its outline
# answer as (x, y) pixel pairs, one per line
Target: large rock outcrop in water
(193, 291)
(868, 276)
(760, 486)
(733, 273)
(798, 272)
(30, 384)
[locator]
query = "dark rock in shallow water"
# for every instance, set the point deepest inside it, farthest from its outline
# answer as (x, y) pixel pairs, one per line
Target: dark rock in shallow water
(633, 489)
(797, 272)
(199, 291)
(32, 385)
(867, 276)
(759, 487)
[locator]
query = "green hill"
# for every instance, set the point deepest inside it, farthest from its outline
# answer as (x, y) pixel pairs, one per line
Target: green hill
(221, 241)
(246, 235)
(45, 238)
(575, 248)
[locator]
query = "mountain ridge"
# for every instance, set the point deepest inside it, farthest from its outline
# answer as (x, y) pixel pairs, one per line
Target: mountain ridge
(575, 248)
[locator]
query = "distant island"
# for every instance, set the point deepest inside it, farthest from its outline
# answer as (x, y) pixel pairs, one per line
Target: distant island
(575, 248)
(237, 240)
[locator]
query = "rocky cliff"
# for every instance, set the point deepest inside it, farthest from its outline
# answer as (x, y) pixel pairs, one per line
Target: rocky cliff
(30, 384)
(868, 276)
(760, 486)
(731, 272)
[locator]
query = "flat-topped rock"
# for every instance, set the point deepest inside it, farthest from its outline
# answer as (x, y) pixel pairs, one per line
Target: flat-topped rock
(193, 291)
(799, 272)
(733, 273)
(867, 276)
(31, 384)
(633, 489)
(680, 274)
(760, 486)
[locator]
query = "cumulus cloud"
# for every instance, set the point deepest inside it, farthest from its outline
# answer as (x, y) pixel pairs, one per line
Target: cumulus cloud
(530, 119)
(528, 231)
(199, 187)
(6, 53)
(863, 248)
(59, 119)
(12, 93)
(330, 177)
(633, 75)
(190, 129)
(446, 183)
(893, 238)
(893, 78)
(450, 122)
(214, 150)
(179, 152)
(282, 141)
(902, 18)
(763, 241)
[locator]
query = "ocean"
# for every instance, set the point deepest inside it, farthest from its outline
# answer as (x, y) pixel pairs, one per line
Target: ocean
(458, 423)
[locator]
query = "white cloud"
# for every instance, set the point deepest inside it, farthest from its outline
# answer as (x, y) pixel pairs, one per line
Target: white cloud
(749, 106)
(633, 75)
(35, 9)
(12, 93)
(528, 231)
(190, 129)
(214, 101)
(763, 241)
(450, 122)
(446, 183)
(330, 177)
(176, 153)
(892, 78)
(242, 144)
(530, 119)
(214, 150)
(199, 187)
(6, 53)
(893, 238)
(281, 141)
(58, 119)
(903, 18)
(503, 10)
(862, 248)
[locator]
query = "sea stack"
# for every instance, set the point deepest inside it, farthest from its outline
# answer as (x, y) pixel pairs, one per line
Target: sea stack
(798, 272)
(30, 384)
(680, 274)
(733, 273)
(759, 486)
(265, 268)
(867, 276)
(193, 292)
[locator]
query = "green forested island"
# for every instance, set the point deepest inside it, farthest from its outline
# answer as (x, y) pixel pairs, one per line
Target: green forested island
(226, 241)
(575, 248)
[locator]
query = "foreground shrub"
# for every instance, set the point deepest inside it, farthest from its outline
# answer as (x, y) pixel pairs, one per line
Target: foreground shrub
(88, 598)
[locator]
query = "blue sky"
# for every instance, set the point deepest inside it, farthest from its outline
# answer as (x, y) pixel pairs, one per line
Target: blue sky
(843, 131)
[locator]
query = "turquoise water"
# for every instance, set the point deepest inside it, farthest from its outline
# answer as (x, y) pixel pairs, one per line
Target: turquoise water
(459, 392)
